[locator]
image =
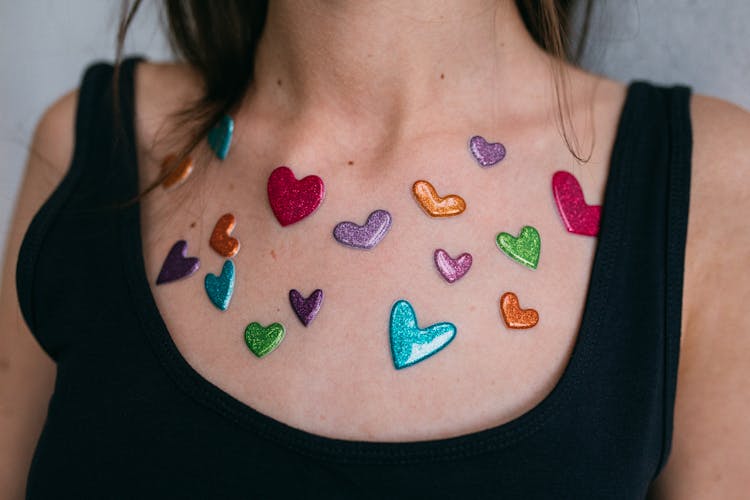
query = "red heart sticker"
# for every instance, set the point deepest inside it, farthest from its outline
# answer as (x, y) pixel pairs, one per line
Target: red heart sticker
(576, 214)
(292, 200)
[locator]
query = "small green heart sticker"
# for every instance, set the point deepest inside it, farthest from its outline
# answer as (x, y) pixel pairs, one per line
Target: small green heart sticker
(525, 249)
(263, 339)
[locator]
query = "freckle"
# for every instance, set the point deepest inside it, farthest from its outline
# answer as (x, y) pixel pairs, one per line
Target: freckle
(192, 224)
(350, 162)
(273, 254)
(231, 186)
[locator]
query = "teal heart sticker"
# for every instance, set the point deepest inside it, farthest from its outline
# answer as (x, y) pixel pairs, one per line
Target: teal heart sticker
(263, 339)
(411, 344)
(220, 288)
(525, 249)
(220, 137)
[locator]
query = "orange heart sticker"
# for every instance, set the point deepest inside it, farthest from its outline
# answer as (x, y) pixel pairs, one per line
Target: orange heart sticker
(433, 204)
(179, 173)
(220, 240)
(514, 316)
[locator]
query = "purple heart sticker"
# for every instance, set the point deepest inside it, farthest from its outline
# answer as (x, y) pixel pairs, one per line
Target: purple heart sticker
(452, 269)
(487, 154)
(177, 265)
(367, 236)
(306, 308)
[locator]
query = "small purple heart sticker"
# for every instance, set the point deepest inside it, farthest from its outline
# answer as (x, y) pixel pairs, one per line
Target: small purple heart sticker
(487, 154)
(306, 308)
(367, 236)
(177, 265)
(452, 269)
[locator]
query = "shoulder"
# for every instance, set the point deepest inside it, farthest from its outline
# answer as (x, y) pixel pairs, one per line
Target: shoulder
(52, 145)
(721, 147)
(718, 234)
(710, 433)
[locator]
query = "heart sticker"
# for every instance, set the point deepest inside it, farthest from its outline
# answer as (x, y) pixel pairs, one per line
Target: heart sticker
(292, 200)
(220, 288)
(306, 308)
(177, 265)
(220, 136)
(487, 154)
(525, 249)
(220, 240)
(262, 340)
(514, 316)
(411, 344)
(179, 173)
(578, 217)
(367, 236)
(433, 204)
(452, 269)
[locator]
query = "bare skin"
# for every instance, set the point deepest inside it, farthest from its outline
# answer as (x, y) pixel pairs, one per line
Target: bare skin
(372, 98)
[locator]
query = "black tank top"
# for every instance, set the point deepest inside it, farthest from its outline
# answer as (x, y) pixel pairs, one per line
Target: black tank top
(129, 418)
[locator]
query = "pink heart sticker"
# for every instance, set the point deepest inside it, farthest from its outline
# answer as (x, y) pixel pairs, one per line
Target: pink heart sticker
(292, 200)
(578, 217)
(452, 269)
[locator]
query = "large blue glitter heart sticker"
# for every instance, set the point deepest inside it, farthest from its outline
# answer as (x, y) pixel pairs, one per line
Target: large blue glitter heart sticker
(220, 288)
(220, 137)
(411, 344)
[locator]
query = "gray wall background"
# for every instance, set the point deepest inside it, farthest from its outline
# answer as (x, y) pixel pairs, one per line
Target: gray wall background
(46, 44)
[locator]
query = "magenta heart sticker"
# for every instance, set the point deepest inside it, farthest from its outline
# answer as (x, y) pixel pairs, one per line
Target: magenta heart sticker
(578, 217)
(452, 269)
(177, 265)
(367, 236)
(486, 153)
(292, 200)
(306, 308)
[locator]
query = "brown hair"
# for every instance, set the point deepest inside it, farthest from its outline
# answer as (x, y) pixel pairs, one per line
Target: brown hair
(219, 39)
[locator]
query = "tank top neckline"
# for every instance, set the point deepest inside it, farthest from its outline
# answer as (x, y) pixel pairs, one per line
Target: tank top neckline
(370, 452)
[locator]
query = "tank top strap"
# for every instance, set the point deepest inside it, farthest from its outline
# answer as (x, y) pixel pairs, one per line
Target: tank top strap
(649, 188)
(97, 184)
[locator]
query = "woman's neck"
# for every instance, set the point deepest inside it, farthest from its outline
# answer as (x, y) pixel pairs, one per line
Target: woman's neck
(382, 61)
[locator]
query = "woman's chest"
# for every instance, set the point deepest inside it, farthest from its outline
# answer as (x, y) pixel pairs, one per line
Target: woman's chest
(388, 311)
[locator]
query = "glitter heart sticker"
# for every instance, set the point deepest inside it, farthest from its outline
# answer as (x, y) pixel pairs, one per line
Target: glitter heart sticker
(366, 236)
(514, 316)
(292, 200)
(177, 264)
(411, 344)
(487, 154)
(576, 214)
(525, 249)
(180, 172)
(452, 269)
(220, 136)
(306, 308)
(220, 288)
(262, 340)
(433, 204)
(225, 245)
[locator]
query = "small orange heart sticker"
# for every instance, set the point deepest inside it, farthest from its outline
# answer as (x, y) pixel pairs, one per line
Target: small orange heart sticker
(180, 172)
(433, 204)
(220, 240)
(514, 316)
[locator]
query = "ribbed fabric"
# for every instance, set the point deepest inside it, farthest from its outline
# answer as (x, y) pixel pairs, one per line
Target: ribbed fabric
(129, 417)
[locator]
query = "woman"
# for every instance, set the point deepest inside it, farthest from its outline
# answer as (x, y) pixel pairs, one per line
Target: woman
(351, 330)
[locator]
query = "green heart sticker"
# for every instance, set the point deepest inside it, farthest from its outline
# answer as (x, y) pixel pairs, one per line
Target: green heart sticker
(525, 249)
(263, 339)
